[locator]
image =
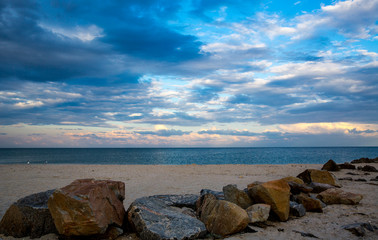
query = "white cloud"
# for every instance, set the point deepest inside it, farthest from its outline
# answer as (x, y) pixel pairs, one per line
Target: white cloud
(85, 34)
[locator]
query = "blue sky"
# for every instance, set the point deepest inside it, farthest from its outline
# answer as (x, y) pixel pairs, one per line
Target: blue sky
(189, 73)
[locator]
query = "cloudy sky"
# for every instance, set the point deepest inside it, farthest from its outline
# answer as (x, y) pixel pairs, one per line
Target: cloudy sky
(194, 73)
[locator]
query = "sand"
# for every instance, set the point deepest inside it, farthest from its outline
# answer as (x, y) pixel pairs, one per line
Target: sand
(18, 181)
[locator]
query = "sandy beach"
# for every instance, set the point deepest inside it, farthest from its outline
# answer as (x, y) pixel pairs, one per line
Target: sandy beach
(18, 181)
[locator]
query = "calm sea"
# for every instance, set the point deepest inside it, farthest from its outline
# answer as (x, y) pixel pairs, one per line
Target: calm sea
(179, 156)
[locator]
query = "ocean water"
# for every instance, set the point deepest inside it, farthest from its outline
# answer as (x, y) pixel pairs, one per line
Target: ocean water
(180, 156)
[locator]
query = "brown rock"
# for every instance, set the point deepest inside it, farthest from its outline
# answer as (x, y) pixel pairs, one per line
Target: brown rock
(276, 194)
(319, 176)
(338, 196)
(258, 212)
(221, 217)
(368, 168)
(296, 188)
(87, 206)
(239, 197)
(346, 166)
(331, 166)
(310, 204)
(293, 179)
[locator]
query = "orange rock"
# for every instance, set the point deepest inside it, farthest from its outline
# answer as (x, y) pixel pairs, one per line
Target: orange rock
(338, 196)
(87, 206)
(293, 179)
(275, 193)
(319, 176)
(221, 217)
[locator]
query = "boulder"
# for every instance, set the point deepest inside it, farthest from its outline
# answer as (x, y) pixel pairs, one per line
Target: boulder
(296, 188)
(180, 201)
(87, 207)
(239, 197)
(319, 176)
(368, 168)
(152, 219)
(293, 179)
(258, 212)
(366, 160)
(346, 166)
(275, 193)
(217, 194)
(29, 216)
(297, 209)
(310, 204)
(319, 187)
(338, 196)
(222, 218)
(331, 166)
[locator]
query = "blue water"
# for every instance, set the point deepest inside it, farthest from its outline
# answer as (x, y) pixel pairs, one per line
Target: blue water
(179, 156)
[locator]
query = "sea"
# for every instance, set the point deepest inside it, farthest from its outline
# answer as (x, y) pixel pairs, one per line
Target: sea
(185, 156)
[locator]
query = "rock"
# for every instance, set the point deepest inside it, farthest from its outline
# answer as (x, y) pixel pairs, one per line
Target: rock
(353, 174)
(255, 183)
(218, 195)
(87, 207)
(293, 179)
(360, 180)
(319, 187)
(29, 216)
(368, 168)
(258, 212)
(374, 179)
(296, 188)
(346, 179)
(304, 234)
(338, 196)
(152, 218)
(180, 201)
(366, 160)
(275, 193)
(358, 229)
(222, 218)
(331, 166)
(239, 197)
(346, 166)
(297, 209)
(310, 204)
(319, 176)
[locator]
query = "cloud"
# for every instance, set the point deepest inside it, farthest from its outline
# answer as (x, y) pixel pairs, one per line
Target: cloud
(164, 132)
(229, 132)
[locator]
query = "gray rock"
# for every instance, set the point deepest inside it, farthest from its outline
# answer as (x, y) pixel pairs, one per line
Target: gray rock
(152, 219)
(319, 187)
(297, 209)
(296, 188)
(358, 229)
(180, 201)
(218, 195)
(29, 216)
(366, 160)
(368, 168)
(258, 212)
(234, 195)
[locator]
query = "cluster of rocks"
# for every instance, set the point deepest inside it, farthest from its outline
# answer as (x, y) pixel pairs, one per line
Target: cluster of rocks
(93, 209)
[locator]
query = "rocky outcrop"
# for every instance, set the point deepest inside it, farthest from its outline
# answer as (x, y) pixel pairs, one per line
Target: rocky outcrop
(222, 218)
(153, 219)
(239, 197)
(319, 176)
(365, 160)
(87, 207)
(276, 194)
(338, 196)
(258, 212)
(29, 216)
(331, 166)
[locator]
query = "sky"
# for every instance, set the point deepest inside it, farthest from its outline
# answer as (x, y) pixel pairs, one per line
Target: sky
(190, 73)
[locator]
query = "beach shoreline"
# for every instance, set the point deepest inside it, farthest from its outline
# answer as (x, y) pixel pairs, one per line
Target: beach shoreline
(19, 180)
